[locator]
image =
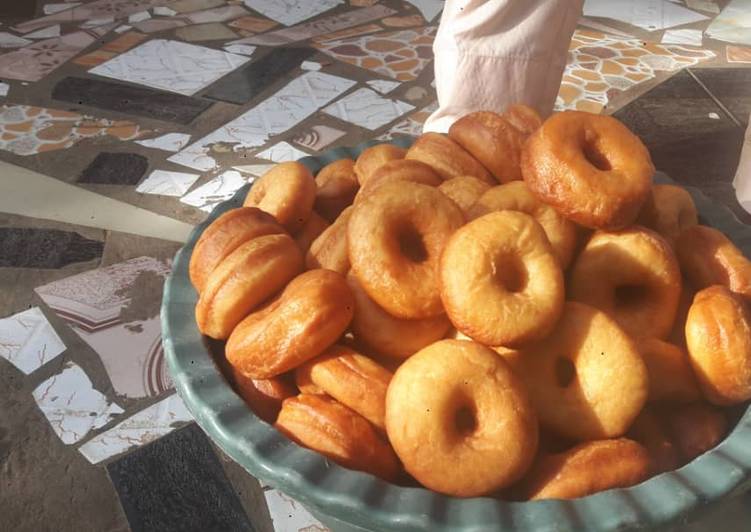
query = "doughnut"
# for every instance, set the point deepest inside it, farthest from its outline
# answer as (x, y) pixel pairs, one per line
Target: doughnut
(671, 377)
(586, 469)
(400, 170)
(668, 211)
(305, 384)
(336, 186)
(310, 231)
(718, 337)
(387, 335)
(708, 257)
(500, 281)
(352, 379)
(447, 158)
(649, 429)
(464, 190)
(678, 332)
(310, 315)
(264, 396)
(590, 168)
(243, 280)
(329, 250)
(225, 235)
(374, 157)
(460, 420)
(287, 192)
(586, 379)
(523, 118)
(632, 275)
(515, 196)
(696, 428)
(491, 140)
(395, 236)
(330, 428)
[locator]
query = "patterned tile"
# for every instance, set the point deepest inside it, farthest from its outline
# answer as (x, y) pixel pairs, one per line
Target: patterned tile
(115, 169)
(167, 183)
(242, 49)
(49, 9)
(125, 42)
(289, 12)
(254, 170)
(296, 101)
(157, 25)
(170, 142)
(407, 21)
(188, 6)
(115, 310)
(412, 126)
(649, 15)
(254, 24)
(212, 31)
(28, 341)
(27, 247)
(366, 108)
(401, 54)
(350, 32)
(72, 405)
(99, 9)
(686, 36)
(27, 130)
(703, 5)
(45, 33)
(382, 85)
(288, 515)
(171, 65)
(8, 40)
(428, 8)
(733, 24)
(219, 189)
(281, 152)
(599, 64)
(738, 54)
(318, 137)
(217, 14)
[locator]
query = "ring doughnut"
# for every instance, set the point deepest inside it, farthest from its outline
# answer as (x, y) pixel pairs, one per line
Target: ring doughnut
(678, 332)
(695, 428)
(304, 384)
(708, 257)
(491, 140)
(264, 396)
(330, 428)
(632, 275)
(329, 250)
(336, 186)
(500, 282)
(314, 226)
(586, 379)
(243, 280)
(460, 420)
(671, 377)
(225, 235)
(515, 196)
(374, 157)
(464, 191)
(447, 158)
(586, 469)
(286, 192)
(353, 379)
(590, 168)
(400, 170)
(668, 211)
(523, 118)
(396, 235)
(387, 335)
(718, 336)
(649, 429)
(310, 315)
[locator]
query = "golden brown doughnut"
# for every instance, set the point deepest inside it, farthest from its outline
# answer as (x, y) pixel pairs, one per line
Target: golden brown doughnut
(491, 140)
(330, 428)
(395, 237)
(650, 430)
(696, 428)
(243, 280)
(447, 158)
(336, 186)
(464, 190)
(460, 420)
(590, 168)
(310, 315)
(310, 231)
(352, 379)
(632, 275)
(516, 196)
(388, 335)
(678, 332)
(671, 377)
(718, 336)
(287, 192)
(225, 235)
(708, 257)
(400, 170)
(523, 117)
(668, 211)
(264, 396)
(586, 379)
(374, 157)
(329, 250)
(305, 384)
(500, 281)
(586, 469)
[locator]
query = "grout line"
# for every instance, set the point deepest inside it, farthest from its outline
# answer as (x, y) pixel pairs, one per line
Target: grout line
(714, 98)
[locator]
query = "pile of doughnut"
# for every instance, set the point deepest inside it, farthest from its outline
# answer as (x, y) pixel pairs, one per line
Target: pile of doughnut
(511, 310)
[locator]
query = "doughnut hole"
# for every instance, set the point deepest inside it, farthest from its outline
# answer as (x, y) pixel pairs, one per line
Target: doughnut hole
(411, 244)
(511, 273)
(594, 154)
(565, 372)
(465, 420)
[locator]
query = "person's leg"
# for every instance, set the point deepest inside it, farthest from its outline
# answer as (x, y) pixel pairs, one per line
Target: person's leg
(490, 54)
(742, 181)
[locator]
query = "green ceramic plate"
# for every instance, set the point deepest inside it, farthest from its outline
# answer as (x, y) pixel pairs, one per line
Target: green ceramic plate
(350, 500)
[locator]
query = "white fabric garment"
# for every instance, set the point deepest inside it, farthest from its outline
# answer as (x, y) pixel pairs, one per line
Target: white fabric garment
(742, 180)
(490, 54)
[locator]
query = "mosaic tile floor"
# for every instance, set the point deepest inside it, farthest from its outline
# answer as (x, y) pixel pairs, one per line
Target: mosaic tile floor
(123, 122)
